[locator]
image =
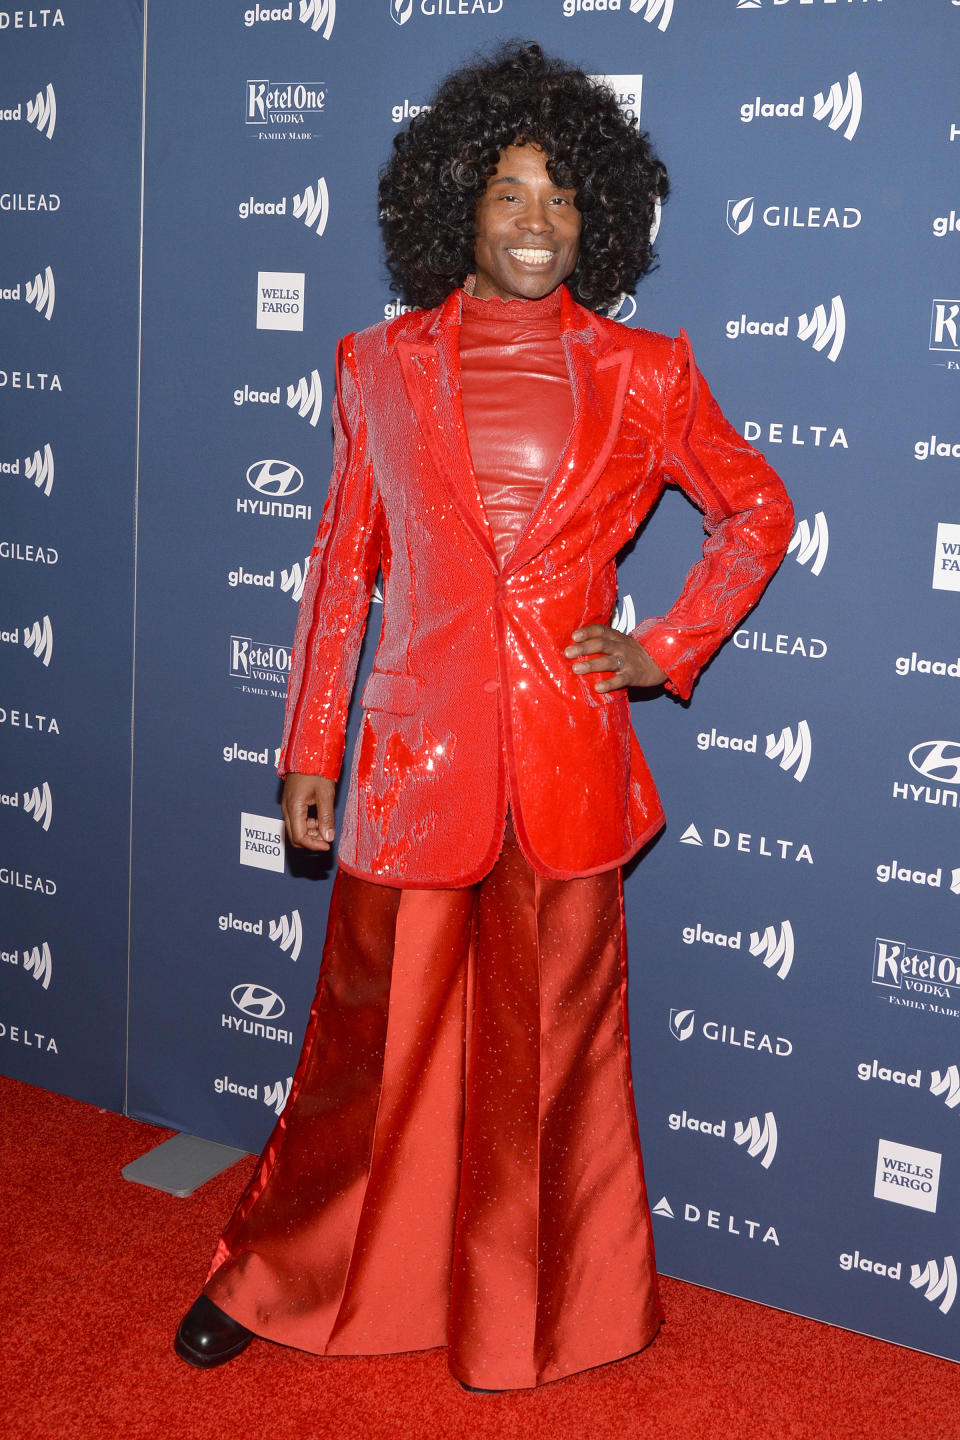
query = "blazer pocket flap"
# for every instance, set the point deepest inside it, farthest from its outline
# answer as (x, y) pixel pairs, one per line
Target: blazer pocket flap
(399, 694)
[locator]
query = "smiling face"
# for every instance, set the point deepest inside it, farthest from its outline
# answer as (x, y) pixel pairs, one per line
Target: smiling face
(528, 229)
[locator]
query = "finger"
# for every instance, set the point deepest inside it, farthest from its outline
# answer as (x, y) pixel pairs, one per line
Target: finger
(589, 638)
(606, 660)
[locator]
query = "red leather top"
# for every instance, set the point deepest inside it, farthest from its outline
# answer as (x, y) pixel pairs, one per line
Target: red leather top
(517, 405)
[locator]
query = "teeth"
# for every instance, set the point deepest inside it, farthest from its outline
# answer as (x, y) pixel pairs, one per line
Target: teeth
(532, 257)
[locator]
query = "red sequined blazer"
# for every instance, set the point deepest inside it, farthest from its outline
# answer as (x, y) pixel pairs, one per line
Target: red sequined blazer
(472, 704)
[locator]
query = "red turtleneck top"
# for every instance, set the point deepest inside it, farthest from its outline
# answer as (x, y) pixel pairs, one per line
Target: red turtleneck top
(517, 405)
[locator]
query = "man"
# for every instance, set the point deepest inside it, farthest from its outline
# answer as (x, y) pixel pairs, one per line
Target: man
(458, 1162)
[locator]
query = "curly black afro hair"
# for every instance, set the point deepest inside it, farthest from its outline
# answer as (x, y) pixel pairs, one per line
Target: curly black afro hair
(430, 187)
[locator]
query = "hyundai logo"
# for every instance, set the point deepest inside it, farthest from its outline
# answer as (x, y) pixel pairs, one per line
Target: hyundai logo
(937, 760)
(274, 477)
(257, 1000)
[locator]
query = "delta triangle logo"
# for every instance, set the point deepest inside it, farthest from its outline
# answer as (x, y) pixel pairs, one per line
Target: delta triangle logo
(663, 1207)
(691, 836)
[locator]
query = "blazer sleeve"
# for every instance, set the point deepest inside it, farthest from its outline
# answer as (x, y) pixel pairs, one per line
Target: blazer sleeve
(747, 516)
(336, 595)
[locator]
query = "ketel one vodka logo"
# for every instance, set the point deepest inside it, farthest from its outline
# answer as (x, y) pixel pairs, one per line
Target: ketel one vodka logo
(40, 112)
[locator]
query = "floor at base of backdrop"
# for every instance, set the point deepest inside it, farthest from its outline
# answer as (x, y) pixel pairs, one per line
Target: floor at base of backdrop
(96, 1272)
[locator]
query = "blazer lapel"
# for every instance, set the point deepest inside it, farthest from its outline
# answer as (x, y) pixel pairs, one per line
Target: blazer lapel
(599, 385)
(431, 374)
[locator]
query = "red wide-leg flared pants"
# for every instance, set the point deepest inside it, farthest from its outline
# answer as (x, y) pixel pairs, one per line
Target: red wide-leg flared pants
(458, 1161)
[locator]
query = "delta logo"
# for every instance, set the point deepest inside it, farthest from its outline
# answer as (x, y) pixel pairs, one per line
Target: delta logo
(718, 1220)
(318, 15)
(745, 842)
(40, 112)
(821, 330)
(841, 107)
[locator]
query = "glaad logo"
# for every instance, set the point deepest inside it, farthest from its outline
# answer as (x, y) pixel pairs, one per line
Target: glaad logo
(818, 327)
(811, 546)
(775, 951)
(944, 326)
(37, 467)
(318, 14)
(946, 557)
(791, 752)
(312, 206)
(683, 1025)
(37, 962)
(823, 331)
(306, 397)
(740, 216)
(936, 1284)
(38, 802)
(287, 932)
(276, 1096)
(838, 107)
(907, 1175)
(257, 1000)
(907, 875)
(38, 639)
(651, 10)
(40, 292)
(293, 580)
(41, 112)
(947, 1085)
(759, 1136)
(625, 616)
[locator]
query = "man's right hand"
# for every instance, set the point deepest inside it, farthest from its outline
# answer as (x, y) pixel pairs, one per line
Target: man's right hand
(301, 793)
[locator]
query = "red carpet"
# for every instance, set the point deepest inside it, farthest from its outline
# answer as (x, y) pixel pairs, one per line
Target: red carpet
(96, 1272)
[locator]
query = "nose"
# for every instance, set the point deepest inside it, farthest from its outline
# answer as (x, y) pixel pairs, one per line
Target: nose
(537, 219)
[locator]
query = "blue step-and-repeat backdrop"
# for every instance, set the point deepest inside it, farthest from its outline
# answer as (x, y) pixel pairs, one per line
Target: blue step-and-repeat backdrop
(187, 225)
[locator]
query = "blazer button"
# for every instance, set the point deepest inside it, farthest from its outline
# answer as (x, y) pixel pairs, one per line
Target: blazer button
(491, 685)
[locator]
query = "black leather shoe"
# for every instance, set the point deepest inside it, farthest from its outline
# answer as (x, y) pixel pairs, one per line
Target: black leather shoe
(207, 1337)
